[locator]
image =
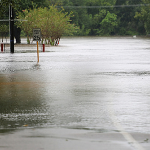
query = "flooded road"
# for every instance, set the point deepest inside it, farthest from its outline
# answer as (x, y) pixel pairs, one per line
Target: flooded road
(89, 83)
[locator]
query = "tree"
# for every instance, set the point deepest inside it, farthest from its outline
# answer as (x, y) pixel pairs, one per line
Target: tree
(30, 4)
(128, 25)
(108, 24)
(54, 2)
(4, 29)
(98, 14)
(92, 20)
(53, 23)
(4, 14)
(4, 7)
(144, 16)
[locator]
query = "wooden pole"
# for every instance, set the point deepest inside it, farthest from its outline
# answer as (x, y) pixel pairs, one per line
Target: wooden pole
(37, 52)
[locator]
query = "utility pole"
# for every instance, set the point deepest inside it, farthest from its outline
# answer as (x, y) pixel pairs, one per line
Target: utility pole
(11, 25)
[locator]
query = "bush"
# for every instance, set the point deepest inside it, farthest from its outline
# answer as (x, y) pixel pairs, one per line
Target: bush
(53, 23)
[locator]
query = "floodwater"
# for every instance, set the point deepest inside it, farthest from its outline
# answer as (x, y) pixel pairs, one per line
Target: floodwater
(84, 83)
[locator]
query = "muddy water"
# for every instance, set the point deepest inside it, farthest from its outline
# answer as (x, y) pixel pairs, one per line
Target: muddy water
(81, 83)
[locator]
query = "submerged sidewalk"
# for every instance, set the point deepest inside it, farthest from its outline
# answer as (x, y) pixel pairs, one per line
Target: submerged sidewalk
(23, 47)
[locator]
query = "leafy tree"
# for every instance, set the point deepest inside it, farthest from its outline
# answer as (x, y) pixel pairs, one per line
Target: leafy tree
(127, 23)
(90, 20)
(108, 24)
(144, 16)
(4, 29)
(53, 23)
(30, 4)
(4, 7)
(4, 14)
(54, 2)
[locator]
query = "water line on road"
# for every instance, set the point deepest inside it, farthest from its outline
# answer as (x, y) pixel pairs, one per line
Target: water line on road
(125, 134)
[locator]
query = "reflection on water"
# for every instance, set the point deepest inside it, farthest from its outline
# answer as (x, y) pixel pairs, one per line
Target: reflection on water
(75, 85)
(20, 102)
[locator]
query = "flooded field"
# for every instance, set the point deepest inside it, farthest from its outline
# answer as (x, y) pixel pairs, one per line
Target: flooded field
(89, 83)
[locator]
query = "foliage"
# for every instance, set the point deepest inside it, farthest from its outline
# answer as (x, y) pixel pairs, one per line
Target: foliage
(108, 24)
(90, 19)
(53, 23)
(105, 20)
(4, 29)
(144, 16)
(30, 4)
(4, 7)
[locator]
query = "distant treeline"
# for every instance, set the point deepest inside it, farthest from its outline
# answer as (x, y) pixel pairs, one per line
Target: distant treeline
(96, 17)
(99, 17)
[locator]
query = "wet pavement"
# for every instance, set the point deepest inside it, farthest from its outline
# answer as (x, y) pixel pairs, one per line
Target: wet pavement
(87, 93)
